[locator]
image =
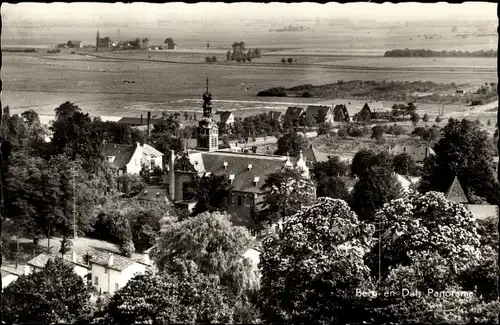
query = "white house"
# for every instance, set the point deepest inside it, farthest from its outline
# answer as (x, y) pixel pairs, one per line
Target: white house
(129, 159)
(224, 117)
(38, 263)
(108, 272)
(111, 272)
(417, 153)
(10, 275)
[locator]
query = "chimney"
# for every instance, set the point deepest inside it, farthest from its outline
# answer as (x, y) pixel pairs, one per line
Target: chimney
(138, 144)
(73, 257)
(110, 260)
(249, 167)
(141, 120)
(255, 180)
(171, 176)
(149, 124)
(225, 164)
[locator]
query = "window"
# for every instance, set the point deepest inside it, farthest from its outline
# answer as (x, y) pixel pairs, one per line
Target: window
(240, 201)
(96, 280)
(117, 287)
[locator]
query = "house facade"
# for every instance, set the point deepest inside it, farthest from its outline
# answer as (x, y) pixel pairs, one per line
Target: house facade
(226, 118)
(129, 159)
(106, 272)
(75, 44)
(417, 153)
(344, 112)
(320, 114)
(293, 115)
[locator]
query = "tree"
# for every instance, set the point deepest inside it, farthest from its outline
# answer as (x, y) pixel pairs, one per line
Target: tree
(65, 246)
(404, 164)
(396, 130)
(416, 257)
(425, 119)
(325, 128)
(365, 158)
(377, 131)
(284, 193)
(283, 60)
(333, 167)
(415, 118)
(145, 226)
(185, 296)
(228, 56)
(212, 193)
(145, 42)
(463, 151)
(214, 58)
(333, 187)
(438, 119)
(289, 60)
(56, 294)
(214, 244)
(291, 143)
(375, 188)
(208, 59)
(311, 270)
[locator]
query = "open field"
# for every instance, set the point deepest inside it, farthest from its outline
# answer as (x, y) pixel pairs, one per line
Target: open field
(105, 86)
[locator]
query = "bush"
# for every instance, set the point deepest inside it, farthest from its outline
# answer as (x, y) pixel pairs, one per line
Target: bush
(355, 131)
(476, 102)
(274, 92)
(290, 60)
(342, 132)
(283, 60)
(306, 94)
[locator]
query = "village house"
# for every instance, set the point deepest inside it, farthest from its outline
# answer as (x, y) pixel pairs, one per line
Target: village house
(276, 116)
(10, 275)
(247, 172)
(456, 194)
(106, 272)
(320, 114)
(417, 153)
(344, 112)
(75, 44)
(224, 117)
(313, 155)
(130, 159)
(152, 194)
(293, 115)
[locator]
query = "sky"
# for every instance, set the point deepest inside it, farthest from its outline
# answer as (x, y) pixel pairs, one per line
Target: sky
(276, 10)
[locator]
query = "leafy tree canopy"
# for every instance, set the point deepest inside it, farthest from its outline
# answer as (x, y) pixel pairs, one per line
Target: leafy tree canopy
(291, 143)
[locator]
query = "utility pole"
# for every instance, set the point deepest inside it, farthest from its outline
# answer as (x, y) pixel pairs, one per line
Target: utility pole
(74, 203)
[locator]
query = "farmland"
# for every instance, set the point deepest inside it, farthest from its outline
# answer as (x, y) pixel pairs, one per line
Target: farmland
(131, 82)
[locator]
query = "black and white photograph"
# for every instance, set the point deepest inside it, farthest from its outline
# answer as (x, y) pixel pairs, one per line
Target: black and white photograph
(249, 163)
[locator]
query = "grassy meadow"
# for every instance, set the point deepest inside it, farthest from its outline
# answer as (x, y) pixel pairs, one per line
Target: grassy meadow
(129, 83)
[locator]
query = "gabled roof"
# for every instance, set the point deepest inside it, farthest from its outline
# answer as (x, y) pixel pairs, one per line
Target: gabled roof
(317, 111)
(376, 106)
(137, 121)
(150, 151)
(294, 112)
(237, 165)
(314, 155)
(122, 153)
(276, 115)
(224, 116)
(152, 193)
(42, 259)
(456, 193)
(352, 109)
(120, 263)
(8, 270)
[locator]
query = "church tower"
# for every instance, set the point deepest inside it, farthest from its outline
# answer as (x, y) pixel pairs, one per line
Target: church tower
(97, 42)
(208, 131)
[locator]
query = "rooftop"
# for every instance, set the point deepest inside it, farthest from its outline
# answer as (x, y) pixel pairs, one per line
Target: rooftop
(122, 153)
(456, 193)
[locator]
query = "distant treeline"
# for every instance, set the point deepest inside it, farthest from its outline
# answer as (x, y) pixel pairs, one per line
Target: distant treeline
(18, 50)
(430, 53)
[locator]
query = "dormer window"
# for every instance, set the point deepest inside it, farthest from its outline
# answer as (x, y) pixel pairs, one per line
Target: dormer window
(157, 193)
(145, 192)
(255, 180)
(225, 164)
(231, 178)
(111, 159)
(249, 167)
